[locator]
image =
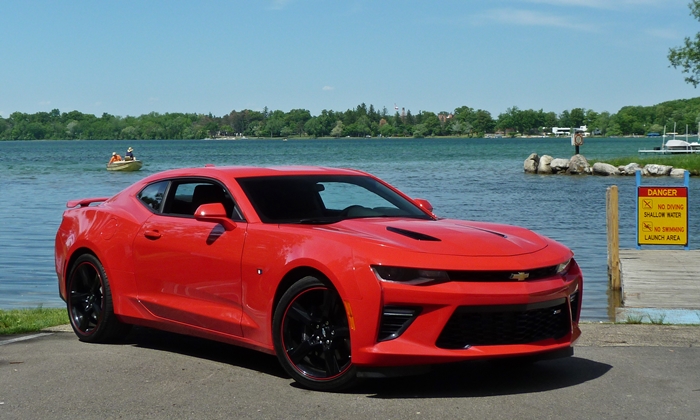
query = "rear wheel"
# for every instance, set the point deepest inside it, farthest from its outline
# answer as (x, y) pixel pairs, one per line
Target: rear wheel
(312, 337)
(90, 302)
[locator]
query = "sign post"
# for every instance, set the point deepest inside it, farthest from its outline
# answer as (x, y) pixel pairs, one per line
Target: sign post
(662, 214)
(577, 139)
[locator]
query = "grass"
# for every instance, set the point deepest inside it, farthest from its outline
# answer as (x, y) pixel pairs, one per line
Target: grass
(690, 162)
(634, 319)
(659, 320)
(18, 321)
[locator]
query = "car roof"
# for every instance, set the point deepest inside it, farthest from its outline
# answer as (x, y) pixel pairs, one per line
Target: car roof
(251, 171)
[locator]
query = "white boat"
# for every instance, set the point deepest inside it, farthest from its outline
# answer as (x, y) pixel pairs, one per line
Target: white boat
(675, 145)
(125, 165)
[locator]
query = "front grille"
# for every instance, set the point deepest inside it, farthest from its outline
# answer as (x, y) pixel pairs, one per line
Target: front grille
(395, 320)
(505, 324)
(501, 276)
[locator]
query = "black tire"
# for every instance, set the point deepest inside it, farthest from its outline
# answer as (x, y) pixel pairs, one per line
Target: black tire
(89, 303)
(312, 337)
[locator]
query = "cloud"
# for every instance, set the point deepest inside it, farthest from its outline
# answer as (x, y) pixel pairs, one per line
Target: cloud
(153, 99)
(328, 88)
(531, 18)
(45, 103)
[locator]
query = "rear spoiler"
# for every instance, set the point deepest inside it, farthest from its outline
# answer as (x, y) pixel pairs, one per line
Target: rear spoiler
(83, 202)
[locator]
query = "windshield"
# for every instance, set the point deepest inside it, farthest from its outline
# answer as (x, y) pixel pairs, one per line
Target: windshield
(324, 199)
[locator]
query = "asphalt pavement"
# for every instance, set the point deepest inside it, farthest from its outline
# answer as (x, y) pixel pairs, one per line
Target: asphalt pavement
(617, 372)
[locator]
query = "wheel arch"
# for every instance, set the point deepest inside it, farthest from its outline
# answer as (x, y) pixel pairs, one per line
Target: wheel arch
(79, 252)
(294, 276)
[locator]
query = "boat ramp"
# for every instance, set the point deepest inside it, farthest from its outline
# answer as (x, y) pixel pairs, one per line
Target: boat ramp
(658, 286)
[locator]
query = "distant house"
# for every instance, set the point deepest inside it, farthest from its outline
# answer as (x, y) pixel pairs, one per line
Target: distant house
(566, 131)
(445, 118)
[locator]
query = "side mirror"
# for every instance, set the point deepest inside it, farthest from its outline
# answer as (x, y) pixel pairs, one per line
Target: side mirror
(214, 212)
(424, 204)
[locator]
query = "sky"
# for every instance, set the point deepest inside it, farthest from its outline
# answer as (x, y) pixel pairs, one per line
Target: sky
(214, 56)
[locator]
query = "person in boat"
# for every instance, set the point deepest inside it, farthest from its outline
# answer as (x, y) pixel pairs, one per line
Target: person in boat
(129, 154)
(115, 158)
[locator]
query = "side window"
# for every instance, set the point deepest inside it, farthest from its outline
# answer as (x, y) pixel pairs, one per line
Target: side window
(186, 197)
(152, 195)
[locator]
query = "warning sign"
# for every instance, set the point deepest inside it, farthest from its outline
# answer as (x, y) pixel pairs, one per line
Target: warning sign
(662, 217)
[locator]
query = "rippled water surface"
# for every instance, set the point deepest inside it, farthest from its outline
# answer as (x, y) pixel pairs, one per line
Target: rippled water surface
(476, 179)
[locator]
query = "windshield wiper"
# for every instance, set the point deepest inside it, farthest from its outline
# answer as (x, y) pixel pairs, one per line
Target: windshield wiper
(316, 221)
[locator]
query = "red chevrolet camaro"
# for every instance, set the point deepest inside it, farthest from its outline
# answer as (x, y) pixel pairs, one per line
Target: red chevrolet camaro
(334, 271)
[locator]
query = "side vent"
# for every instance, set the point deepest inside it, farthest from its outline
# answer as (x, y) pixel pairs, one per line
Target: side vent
(395, 320)
(413, 235)
(574, 302)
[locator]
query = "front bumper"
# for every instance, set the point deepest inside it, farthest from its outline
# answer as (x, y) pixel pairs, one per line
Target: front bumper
(460, 321)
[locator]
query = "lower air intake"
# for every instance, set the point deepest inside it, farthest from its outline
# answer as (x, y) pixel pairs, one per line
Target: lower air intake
(395, 320)
(505, 324)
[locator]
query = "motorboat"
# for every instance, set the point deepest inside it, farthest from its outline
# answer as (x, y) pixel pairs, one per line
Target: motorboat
(125, 165)
(675, 145)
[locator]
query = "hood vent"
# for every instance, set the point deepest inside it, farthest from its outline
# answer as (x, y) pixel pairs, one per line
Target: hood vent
(413, 235)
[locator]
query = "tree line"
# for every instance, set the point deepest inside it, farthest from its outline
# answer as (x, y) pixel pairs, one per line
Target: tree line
(362, 121)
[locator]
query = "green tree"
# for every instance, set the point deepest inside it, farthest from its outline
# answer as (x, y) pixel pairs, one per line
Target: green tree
(313, 127)
(483, 122)
(385, 129)
(337, 131)
(578, 117)
(687, 57)
(420, 131)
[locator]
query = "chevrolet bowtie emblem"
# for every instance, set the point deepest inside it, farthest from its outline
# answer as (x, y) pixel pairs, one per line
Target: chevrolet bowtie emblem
(519, 276)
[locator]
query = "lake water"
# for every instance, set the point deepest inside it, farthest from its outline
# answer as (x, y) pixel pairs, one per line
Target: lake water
(478, 179)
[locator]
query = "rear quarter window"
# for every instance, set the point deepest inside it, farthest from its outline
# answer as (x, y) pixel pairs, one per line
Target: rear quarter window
(152, 195)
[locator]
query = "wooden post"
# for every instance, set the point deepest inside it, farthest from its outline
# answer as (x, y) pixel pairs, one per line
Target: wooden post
(613, 227)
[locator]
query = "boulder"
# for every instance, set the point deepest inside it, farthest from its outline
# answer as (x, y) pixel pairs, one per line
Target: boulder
(559, 165)
(544, 166)
(678, 172)
(531, 163)
(630, 169)
(605, 169)
(578, 165)
(653, 169)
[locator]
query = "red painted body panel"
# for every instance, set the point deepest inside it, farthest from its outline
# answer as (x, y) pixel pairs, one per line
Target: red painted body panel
(194, 277)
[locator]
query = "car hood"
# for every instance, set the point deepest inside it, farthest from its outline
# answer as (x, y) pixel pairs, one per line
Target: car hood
(446, 236)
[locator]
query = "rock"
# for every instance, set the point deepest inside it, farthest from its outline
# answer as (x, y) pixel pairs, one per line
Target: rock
(653, 169)
(531, 163)
(544, 166)
(559, 165)
(678, 172)
(578, 165)
(630, 169)
(605, 169)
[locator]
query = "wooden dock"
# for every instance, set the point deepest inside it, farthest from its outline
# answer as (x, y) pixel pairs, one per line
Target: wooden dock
(660, 283)
(661, 286)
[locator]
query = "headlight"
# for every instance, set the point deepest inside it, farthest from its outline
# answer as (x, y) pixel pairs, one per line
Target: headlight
(409, 275)
(563, 267)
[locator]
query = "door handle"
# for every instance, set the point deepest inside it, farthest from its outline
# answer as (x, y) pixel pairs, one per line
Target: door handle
(152, 234)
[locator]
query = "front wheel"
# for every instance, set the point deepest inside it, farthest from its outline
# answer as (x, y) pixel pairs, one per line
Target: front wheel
(312, 337)
(90, 302)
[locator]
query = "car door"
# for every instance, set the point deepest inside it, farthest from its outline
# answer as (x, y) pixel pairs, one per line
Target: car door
(187, 270)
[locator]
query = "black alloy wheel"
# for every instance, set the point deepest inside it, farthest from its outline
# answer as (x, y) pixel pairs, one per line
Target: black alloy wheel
(312, 337)
(90, 302)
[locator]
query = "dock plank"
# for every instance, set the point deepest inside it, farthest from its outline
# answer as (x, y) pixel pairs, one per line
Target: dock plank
(660, 278)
